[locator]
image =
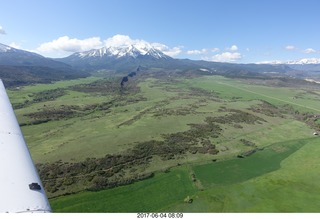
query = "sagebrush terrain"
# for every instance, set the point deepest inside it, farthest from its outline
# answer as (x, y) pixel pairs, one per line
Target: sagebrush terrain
(200, 143)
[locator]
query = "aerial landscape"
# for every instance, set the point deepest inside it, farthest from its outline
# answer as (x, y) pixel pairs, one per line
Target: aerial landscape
(168, 106)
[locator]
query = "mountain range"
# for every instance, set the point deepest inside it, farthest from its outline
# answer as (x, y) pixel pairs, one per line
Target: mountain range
(17, 57)
(20, 67)
(128, 57)
(309, 65)
(119, 58)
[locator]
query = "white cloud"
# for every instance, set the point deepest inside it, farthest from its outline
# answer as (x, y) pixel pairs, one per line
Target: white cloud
(274, 62)
(230, 54)
(2, 30)
(173, 51)
(215, 50)
(290, 47)
(14, 45)
(197, 52)
(309, 50)
(233, 48)
(167, 50)
(227, 57)
(66, 44)
(121, 40)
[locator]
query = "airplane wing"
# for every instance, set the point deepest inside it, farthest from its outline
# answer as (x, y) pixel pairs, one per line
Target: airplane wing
(20, 187)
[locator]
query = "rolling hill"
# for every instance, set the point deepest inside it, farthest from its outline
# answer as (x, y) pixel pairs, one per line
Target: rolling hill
(20, 67)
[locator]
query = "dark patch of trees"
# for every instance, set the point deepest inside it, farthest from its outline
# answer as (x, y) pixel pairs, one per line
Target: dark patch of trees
(65, 112)
(132, 74)
(126, 78)
(104, 86)
(47, 95)
(121, 169)
(237, 116)
(309, 118)
(108, 86)
(93, 173)
(247, 143)
(247, 153)
(267, 109)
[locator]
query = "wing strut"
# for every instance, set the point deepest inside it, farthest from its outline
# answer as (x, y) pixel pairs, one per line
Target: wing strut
(20, 187)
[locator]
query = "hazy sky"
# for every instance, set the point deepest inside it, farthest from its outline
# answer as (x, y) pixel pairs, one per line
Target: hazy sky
(240, 31)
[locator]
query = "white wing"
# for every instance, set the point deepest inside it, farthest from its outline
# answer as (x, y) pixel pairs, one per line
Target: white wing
(20, 187)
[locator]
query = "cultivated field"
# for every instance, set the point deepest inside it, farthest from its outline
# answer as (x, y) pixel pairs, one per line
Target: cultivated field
(167, 142)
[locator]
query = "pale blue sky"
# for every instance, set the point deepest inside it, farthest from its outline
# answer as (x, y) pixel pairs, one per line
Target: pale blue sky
(241, 31)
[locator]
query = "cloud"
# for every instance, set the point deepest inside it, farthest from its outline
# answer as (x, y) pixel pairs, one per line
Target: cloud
(124, 40)
(2, 30)
(174, 51)
(274, 62)
(202, 51)
(215, 50)
(66, 44)
(290, 47)
(197, 52)
(121, 40)
(309, 50)
(233, 48)
(14, 45)
(227, 57)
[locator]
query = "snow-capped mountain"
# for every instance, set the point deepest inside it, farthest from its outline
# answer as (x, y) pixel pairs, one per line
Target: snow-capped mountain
(119, 57)
(306, 64)
(305, 61)
(142, 49)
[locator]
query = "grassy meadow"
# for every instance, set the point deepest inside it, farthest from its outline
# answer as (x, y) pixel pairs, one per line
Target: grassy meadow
(282, 178)
(156, 194)
(188, 131)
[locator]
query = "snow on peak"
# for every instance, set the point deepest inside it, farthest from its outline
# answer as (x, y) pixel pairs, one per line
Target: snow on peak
(4, 48)
(304, 61)
(136, 49)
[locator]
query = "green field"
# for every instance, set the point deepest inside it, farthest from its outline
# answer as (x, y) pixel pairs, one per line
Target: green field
(89, 134)
(239, 170)
(284, 180)
(156, 194)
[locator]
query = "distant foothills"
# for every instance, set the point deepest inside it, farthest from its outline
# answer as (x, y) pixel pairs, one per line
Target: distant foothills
(20, 67)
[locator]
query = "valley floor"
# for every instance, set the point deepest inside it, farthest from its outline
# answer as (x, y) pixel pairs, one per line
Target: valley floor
(167, 142)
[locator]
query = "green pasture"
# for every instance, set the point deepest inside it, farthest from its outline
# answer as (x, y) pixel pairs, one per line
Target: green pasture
(21, 94)
(281, 178)
(242, 169)
(277, 130)
(151, 195)
(101, 133)
(292, 187)
(237, 90)
(98, 134)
